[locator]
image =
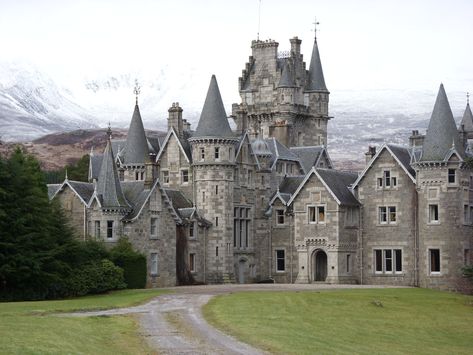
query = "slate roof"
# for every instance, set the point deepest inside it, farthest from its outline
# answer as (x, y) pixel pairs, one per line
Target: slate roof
(289, 185)
(178, 199)
(84, 189)
(287, 79)
(280, 151)
(136, 149)
(260, 147)
(316, 81)
(338, 182)
(52, 189)
(109, 189)
(213, 120)
(404, 155)
(308, 156)
(136, 194)
(95, 164)
(442, 132)
(467, 120)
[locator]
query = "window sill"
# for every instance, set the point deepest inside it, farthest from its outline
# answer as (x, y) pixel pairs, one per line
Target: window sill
(280, 271)
(433, 223)
(153, 275)
(435, 274)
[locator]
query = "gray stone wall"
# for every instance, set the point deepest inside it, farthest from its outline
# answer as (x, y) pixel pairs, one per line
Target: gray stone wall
(74, 211)
(397, 235)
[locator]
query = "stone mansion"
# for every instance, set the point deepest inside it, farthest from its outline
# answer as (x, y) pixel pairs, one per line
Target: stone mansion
(264, 202)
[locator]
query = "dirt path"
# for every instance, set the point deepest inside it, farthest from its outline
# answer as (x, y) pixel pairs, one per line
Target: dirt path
(173, 323)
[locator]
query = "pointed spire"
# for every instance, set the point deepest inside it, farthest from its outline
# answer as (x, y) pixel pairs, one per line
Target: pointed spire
(108, 185)
(467, 120)
(316, 81)
(136, 149)
(287, 80)
(213, 120)
(442, 133)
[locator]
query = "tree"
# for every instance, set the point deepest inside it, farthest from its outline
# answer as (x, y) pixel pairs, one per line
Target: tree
(77, 172)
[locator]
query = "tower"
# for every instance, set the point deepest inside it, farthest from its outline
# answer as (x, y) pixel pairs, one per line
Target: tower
(443, 188)
(213, 152)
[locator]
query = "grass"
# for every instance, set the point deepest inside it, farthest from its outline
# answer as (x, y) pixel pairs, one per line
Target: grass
(387, 321)
(31, 328)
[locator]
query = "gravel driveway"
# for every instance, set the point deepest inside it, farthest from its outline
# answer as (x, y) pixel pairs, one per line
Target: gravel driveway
(173, 323)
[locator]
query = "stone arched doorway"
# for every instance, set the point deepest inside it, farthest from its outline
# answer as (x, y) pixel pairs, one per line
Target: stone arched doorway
(241, 271)
(319, 265)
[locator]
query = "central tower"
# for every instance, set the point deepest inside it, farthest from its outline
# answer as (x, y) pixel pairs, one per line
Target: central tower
(280, 98)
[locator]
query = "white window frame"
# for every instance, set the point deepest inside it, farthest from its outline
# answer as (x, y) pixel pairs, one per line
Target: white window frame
(394, 251)
(182, 176)
(153, 224)
(455, 178)
(388, 211)
(429, 214)
(165, 176)
(110, 228)
(280, 213)
(154, 266)
(429, 256)
(278, 258)
(316, 209)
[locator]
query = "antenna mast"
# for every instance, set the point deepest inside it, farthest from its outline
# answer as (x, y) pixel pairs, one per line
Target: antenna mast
(259, 19)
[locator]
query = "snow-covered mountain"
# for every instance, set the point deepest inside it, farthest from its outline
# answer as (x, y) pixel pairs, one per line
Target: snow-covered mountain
(31, 105)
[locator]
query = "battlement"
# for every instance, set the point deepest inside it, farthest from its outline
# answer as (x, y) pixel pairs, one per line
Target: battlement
(264, 44)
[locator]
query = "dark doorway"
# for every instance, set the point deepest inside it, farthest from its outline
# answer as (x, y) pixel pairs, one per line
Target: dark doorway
(320, 272)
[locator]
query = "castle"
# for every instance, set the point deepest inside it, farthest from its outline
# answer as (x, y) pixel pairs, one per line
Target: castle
(264, 201)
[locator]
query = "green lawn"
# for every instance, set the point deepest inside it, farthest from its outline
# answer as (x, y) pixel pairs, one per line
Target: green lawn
(30, 328)
(396, 321)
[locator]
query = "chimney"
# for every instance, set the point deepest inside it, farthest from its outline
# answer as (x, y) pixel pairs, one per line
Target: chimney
(370, 154)
(150, 174)
(186, 126)
(175, 118)
(416, 139)
(295, 45)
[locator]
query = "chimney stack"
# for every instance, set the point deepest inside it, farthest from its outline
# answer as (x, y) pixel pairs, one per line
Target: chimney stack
(370, 154)
(175, 118)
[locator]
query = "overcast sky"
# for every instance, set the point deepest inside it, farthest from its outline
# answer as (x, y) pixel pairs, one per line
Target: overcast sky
(364, 44)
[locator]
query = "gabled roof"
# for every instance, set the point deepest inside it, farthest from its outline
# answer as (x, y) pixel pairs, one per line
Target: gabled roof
(316, 81)
(310, 156)
(178, 199)
(109, 190)
(287, 188)
(336, 182)
(279, 151)
(83, 190)
(467, 120)
(183, 145)
(95, 162)
(136, 149)
(213, 120)
(239, 144)
(402, 155)
(287, 80)
(442, 134)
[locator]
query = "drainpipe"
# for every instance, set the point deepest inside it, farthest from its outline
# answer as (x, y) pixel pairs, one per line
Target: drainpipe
(85, 223)
(291, 236)
(360, 229)
(205, 258)
(270, 242)
(416, 238)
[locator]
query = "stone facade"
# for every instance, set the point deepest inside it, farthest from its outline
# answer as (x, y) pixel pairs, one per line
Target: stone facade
(263, 203)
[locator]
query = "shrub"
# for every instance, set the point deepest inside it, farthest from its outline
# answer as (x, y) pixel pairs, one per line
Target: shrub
(132, 263)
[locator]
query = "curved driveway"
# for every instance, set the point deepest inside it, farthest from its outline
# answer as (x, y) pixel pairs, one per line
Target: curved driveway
(173, 323)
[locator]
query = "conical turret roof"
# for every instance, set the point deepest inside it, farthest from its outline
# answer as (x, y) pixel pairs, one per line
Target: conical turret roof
(136, 147)
(213, 120)
(287, 80)
(442, 134)
(316, 80)
(109, 190)
(467, 120)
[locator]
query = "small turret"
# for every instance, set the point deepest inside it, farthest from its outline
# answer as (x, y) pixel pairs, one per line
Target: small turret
(467, 120)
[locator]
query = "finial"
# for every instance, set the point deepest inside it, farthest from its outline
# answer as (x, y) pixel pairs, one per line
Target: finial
(315, 23)
(259, 19)
(109, 131)
(467, 98)
(66, 178)
(137, 90)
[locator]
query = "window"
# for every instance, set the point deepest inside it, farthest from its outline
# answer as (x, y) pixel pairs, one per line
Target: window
(216, 189)
(451, 176)
(202, 153)
(203, 196)
(380, 182)
(388, 261)
(192, 232)
(121, 174)
(312, 215)
(217, 153)
(154, 228)
(433, 213)
(348, 263)
(434, 256)
(192, 262)
(352, 216)
(165, 177)
(154, 263)
(230, 153)
(137, 175)
(466, 214)
(280, 260)
(321, 213)
(97, 229)
(394, 181)
(279, 216)
(142, 175)
(250, 176)
(387, 178)
(241, 227)
(316, 214)
(387, 214)
(216, 221)
(185, 176)
(109, 229)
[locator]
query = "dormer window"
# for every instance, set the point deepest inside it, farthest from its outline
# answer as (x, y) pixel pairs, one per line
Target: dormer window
(452, 173)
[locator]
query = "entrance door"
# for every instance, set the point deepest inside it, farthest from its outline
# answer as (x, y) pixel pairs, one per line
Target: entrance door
(241, 271)
(320, 272)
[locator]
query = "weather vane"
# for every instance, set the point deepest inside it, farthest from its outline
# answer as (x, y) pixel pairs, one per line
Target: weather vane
(109, 130)
(315, 23)
(137, 90)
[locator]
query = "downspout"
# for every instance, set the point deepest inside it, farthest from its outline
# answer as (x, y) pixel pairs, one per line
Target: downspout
(291, 235)
(360, 221)
(416, 238)
(270, 246)
(205, 258)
